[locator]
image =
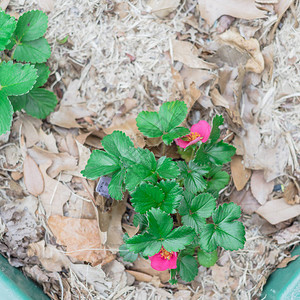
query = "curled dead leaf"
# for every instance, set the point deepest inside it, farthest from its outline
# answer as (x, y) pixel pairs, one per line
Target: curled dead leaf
(286, 261)
(162, 8)
(240, 174)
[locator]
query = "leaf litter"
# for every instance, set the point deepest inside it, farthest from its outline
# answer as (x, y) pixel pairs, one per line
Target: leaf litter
(135, 57)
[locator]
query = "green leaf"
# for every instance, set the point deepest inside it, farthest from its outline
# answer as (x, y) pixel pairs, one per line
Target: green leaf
(218, 181)
(218, 154)
(37, 51)
(43, 73)
(160, 223)
(143, 170)
(166, 168)
(172, 114)
(100, 163)
(115, 187)
(119, 145)
(207, 259)
(16, 79)
(7, 27)
(146, 243)
(188, 268)
(175, 133)
(227, 233)
(6, 112)
(140, 220)
(195, 209)
(192, 175)
(215, 132)
(147, 196)
(38, 103)
(173, 194)
(127, 254)
(31, 25)
(178, 238)
(148, 124)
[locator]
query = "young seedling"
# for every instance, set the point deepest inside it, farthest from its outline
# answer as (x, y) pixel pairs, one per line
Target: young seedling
(20, 83)
(180, 224)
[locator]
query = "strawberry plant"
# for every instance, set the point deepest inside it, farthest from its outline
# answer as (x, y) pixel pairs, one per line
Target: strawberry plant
(180, 223)
(22, 69)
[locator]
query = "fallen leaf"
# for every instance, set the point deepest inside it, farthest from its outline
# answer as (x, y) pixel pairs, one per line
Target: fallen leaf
(12, 154)
(78, 208)
(260, 188)
(287, 235)
(80, 235)
(16, 175)
(131, 230)
(218, 99)
(139, 276)
(128, 105)
(276, 211)
(220, 275)
(187, 53)
(46, 5)
(55, 194)
(245, 199)
(33, 177)
(286, 261)
(245, 9)
(199, 77)
(291, 194)
(72, 146)
(162, 8)
(224, 23)
(282, 6)
(48, 140)
(4, 4)
(60, 161)
(251, 46)
(51, 258)
(239, 173)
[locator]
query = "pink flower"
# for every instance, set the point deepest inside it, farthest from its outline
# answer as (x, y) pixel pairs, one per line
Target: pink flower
(164, 260)
(199, 132)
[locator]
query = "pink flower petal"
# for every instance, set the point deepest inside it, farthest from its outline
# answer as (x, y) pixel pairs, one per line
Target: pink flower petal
(203, 128)
(173, 261)
(194, 141)
(181, 143)
(158, 263)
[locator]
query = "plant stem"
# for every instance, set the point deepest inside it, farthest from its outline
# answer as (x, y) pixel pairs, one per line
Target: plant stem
(164, 149)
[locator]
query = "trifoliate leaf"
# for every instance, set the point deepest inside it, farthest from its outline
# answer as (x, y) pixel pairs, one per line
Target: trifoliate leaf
(188, 268)
(160, 223)
(143, 170)
(115, 187)
(227, 233)
(218, 154)
(178, 238)
(166, 168)
(100, 163)
(195, 209)
(38, 103)
(31, 25)
(217, 182)
(127, 254)
(43, 73)
(207, 259)
(175, 133)
(172, 114)
(16, 79)
(147, 196)
(173, 195)
(192, 175)
(37, 51)
(148, 124)
(215, 132)
(6, 112)
(7, 27)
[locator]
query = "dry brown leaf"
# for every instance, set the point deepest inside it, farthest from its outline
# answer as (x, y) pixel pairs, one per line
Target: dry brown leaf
(282, 7)
(46, 5)
(199, 77)
(72, 146)
(245, 9)
(16, 175)
(276, 211)
(162, 8)
(291, 194)
(187, 53)
(286, 261)
(144, 266)
(251, 46)
(55, 194)
(131, 230)
(79, 208)
(218, 99)
(245, 199)
(115, 232)
(128, 125)
(33, 177)
(139, 276)
(51, 258)
(287, 235)
(240, 174)
(220, 275)
(128, 105)
(260, 188)
(224, 23)
(79, 235)
(48, 140)
(60, 161)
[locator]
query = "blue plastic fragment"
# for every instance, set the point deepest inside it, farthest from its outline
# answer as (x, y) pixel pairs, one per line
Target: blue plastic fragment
(102, 186)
